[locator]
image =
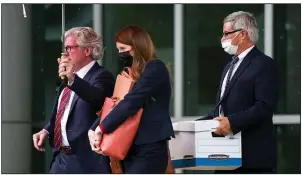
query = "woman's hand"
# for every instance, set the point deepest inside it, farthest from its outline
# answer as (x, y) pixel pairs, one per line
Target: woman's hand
(94, 141)
(95, 138)
(91, 135)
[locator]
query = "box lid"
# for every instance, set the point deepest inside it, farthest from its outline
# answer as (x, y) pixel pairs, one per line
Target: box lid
(196, 126)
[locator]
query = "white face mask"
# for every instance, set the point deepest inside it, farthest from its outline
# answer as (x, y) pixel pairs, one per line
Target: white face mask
(229, 47)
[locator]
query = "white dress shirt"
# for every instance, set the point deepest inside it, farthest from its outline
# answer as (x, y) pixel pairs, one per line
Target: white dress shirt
(241, 57)
(81, 73)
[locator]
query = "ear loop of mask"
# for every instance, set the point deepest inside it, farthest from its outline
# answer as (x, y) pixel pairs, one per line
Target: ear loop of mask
(130, 52)
(240, 40)
(235, 37)
(239, 43)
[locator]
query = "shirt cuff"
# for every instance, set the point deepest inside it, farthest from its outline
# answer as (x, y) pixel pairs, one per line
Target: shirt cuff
(102, 128)
(46, 131)
(69, 84)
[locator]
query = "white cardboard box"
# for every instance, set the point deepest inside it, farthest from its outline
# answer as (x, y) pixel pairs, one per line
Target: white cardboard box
(195, 148)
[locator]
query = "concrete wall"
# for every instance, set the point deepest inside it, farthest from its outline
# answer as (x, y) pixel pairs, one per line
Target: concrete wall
(16, 85)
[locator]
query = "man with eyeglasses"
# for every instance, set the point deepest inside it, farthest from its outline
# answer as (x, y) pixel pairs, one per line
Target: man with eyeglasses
(78, 99)
(247, 95)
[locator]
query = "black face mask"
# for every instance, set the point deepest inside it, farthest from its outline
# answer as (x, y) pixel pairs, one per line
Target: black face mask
(126, 58)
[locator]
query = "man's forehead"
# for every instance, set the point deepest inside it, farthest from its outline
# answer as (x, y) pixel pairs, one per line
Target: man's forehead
(70, 40)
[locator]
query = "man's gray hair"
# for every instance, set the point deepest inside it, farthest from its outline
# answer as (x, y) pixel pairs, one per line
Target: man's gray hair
(246, 21)
(87, 37)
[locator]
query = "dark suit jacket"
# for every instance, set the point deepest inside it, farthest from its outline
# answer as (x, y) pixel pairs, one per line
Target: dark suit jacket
(249, 104)
(151, 92)
(90, 93)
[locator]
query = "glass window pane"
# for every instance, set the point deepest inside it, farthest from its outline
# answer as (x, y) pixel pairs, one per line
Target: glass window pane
(204, 57)
(159, 25)
(288, 56)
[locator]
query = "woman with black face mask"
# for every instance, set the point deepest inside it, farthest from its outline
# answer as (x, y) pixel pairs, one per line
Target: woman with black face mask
(126, 58)
(152, 92)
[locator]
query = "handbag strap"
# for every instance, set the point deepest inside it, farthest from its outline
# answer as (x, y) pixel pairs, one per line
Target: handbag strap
(128, 70)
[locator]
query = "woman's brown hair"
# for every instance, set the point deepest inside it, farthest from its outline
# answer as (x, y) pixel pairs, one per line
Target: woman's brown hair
(142, 46)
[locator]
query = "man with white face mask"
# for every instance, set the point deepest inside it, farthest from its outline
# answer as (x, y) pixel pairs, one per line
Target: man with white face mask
(247, 95)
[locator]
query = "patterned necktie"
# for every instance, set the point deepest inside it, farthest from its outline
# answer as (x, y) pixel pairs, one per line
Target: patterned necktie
(58, 135)
(233, 63)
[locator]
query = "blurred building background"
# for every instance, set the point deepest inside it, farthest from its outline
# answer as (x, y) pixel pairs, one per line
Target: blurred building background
(187, 37)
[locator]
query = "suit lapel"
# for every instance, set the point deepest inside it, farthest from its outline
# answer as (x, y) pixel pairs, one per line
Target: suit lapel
(242, 67)
(87, 78)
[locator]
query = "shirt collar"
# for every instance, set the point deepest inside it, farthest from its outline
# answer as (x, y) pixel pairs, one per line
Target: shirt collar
(83, 71)
(244, 53)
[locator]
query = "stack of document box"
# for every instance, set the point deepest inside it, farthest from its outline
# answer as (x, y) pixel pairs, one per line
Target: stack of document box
(196, 147)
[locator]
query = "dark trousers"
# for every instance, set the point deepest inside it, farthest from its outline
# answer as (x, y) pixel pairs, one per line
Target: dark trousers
(151, 158)
(242, 170)
(69, 164)
(66, 163)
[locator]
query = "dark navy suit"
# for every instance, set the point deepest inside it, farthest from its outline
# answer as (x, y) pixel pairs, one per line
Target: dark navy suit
(249, 104)
(90, 93)
(151, 92)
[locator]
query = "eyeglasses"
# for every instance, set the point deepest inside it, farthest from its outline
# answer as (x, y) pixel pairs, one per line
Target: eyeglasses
(227, 33)
(69, 48)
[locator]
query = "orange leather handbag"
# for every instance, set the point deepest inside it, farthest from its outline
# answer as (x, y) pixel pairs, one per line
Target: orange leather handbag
(117, 144)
